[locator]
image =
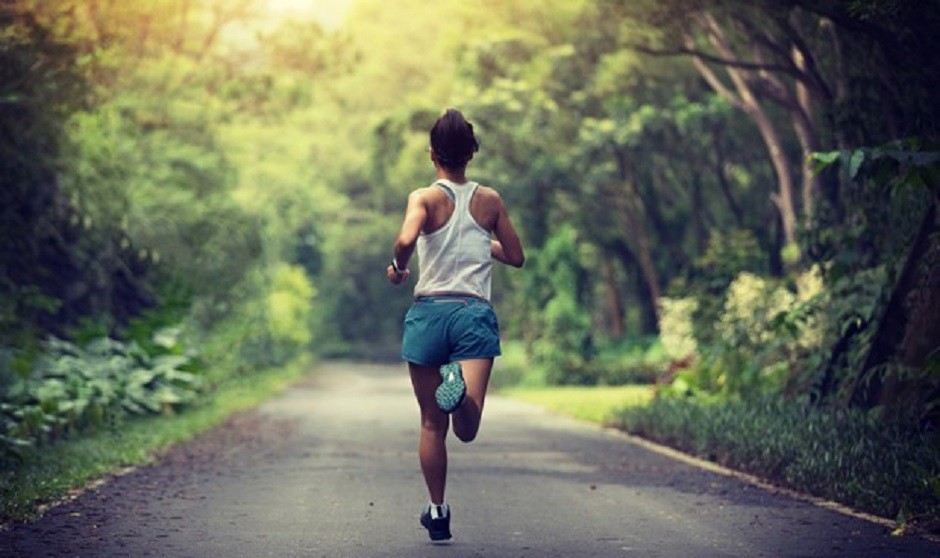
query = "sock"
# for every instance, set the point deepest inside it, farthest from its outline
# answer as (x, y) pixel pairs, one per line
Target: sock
(438, 510)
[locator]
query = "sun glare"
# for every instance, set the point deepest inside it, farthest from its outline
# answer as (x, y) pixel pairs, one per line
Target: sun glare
(328, 13)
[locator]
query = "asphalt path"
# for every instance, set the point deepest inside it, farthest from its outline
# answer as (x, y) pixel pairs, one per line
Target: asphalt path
(329, 468)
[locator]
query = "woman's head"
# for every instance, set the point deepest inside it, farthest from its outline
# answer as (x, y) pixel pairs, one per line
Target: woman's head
(452, 140)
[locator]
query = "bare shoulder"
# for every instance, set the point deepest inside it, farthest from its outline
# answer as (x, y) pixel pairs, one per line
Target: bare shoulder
(489, 196)
(421, 195)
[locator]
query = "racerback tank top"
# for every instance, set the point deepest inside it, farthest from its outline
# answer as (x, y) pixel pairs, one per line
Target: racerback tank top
(457, 257)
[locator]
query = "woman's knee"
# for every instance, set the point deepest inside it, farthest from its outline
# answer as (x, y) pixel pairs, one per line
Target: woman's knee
(466, 427)
(431, 422)
(466, 436)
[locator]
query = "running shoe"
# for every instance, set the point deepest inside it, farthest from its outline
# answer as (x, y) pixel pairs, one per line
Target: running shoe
(450, 393)
(437, 522)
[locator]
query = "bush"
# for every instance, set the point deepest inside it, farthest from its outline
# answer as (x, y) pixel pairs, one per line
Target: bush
(676, 327)
(72, 388)
(558, 322)
(630, 361)
(562, 348)
(512, 368)
(889, 469)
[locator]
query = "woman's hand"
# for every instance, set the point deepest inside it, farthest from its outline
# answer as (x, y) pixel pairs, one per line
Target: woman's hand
(397, 278)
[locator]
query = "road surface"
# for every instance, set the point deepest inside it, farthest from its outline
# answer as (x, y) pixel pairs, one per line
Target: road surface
(329, 468)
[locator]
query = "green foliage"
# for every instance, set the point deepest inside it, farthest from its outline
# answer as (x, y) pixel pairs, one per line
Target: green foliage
(889, 192)
(289, 304)
(56, 265)
(360, 312)
(597, 404)
(245, 176)
(74, 388)
(512, 368)
(676, 330)
(561, 343)
(849, 456)
(892, 189)
(728, 254)
(630, 361)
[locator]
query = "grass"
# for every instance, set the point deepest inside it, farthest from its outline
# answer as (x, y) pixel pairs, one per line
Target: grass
(592, 403)
(887, 468)
(884, 469)
(54, 471)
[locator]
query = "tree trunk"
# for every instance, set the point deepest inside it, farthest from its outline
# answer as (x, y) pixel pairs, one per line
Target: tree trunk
(614, 307)
(746, 101)
(908, 330)
(629, 207)
(722, 178)
(649, 306)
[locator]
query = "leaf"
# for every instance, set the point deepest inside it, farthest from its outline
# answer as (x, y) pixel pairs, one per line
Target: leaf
(167, 395)
(855, 163)
(167, 363)
(824, 160)
(167, 338)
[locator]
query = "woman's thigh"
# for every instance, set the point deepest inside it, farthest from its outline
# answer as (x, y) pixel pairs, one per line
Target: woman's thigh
(424, 380)
(476, 374)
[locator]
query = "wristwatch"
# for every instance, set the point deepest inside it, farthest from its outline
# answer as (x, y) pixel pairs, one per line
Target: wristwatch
(396, 269)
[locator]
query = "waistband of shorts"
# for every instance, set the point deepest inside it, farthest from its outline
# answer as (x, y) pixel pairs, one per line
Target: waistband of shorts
(441, 298)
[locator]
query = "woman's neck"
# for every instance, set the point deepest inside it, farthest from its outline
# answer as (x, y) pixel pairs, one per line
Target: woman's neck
(457, 177)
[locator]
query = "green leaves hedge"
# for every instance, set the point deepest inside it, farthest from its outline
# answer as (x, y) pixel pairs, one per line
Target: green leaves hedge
(72, 388)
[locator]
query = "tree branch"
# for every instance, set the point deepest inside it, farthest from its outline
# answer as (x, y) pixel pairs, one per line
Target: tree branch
(715, 82)
(707, 57)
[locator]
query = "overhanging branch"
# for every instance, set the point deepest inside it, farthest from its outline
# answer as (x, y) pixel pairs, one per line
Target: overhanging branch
(707, 57)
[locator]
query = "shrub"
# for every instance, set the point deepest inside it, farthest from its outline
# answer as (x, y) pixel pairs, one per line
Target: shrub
(630, 361)
(561, 350)
(72, 388)
(890, 469)
(676, 328)
(558, 322)
(512, 368)
(766, 334)
(289, 308)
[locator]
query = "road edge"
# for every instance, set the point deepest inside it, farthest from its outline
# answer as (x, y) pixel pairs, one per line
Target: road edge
(892, 526)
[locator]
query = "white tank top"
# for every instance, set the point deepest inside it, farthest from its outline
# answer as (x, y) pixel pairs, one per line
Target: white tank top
(457, 257)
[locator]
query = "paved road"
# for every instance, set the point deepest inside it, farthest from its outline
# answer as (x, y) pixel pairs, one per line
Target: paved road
(330, 469)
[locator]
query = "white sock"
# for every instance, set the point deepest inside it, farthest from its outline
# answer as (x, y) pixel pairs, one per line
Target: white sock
(438, 510)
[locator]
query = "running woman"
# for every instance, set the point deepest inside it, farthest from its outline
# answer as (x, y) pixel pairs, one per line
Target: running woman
(451, 335)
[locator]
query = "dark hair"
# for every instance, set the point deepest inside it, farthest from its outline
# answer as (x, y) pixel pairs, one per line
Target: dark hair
(452, 139)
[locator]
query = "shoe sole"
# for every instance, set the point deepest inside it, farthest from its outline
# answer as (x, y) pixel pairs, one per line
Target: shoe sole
(444, 392)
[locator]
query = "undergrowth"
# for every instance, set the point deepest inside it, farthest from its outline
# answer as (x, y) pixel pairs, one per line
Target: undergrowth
(888, 469)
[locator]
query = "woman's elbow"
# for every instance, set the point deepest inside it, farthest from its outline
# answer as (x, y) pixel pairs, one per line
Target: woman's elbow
(517, 262)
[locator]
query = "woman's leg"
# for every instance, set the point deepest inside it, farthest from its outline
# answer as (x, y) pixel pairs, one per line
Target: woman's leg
(476, 374)
(432, 451)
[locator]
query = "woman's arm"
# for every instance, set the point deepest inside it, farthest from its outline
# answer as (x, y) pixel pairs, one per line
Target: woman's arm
(507, 248)
(416, 214)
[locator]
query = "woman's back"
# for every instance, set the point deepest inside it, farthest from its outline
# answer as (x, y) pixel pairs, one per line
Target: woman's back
(454, 249)
(440, 207)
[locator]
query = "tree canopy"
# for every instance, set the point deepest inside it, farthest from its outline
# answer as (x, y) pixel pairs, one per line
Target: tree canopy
(241, 167)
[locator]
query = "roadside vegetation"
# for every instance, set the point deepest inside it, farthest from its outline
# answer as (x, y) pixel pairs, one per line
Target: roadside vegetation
(49, 473)
(733, 202)
(590, 403)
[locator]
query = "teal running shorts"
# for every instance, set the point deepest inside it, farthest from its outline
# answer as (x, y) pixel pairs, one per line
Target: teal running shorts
(442, 329)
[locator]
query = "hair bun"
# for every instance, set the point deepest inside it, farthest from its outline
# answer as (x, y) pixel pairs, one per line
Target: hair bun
(453, 140)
